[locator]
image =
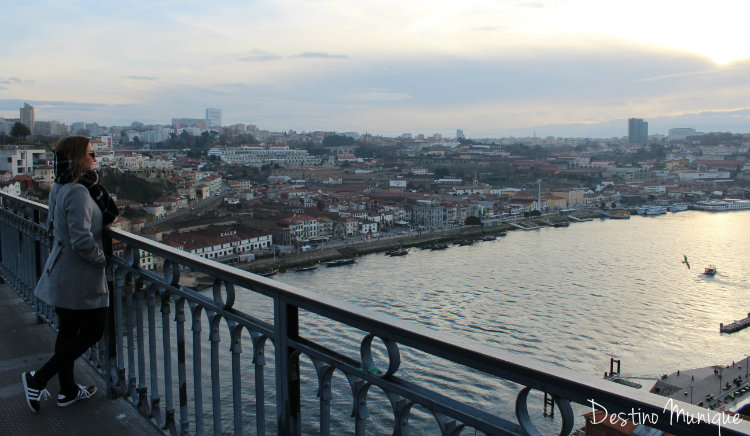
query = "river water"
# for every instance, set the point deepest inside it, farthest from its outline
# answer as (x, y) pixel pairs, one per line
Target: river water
(572, 297)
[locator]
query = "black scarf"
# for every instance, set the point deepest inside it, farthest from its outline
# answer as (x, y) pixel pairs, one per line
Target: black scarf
(89, 179)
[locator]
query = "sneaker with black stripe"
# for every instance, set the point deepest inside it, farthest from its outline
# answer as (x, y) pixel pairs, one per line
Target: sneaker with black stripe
(83, 393)
(33, 395)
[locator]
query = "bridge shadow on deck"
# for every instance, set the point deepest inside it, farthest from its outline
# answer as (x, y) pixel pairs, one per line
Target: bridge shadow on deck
(25, 345)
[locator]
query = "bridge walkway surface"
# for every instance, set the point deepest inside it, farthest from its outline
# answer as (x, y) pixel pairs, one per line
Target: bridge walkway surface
(25, 345)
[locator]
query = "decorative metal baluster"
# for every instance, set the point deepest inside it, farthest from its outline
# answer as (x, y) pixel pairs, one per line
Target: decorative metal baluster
(169, 423)
(215, 338)
(522, 414)
(325, 376)
(286, 326)
(196, 312)
(448, 426)
(179, 317)
(153, 358)
(359, 403)
(142, 390)
(236, 350)
(133, 289)
(259, 359)
(401, 410)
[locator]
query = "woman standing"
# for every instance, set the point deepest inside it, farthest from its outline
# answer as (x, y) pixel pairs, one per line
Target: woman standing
(73, 280)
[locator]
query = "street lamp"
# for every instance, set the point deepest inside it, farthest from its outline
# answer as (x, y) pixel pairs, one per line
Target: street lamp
(691, 393)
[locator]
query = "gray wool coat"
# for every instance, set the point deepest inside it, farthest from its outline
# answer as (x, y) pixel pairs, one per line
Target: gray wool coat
(73, 276)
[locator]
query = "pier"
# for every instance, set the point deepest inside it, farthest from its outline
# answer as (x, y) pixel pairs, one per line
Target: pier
(718, 387)
(735, 326)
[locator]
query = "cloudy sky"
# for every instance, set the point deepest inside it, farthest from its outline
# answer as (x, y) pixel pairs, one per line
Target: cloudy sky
(492, 68)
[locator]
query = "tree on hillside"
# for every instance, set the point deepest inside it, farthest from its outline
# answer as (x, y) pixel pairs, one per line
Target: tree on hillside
(20, 130)
(338, 141)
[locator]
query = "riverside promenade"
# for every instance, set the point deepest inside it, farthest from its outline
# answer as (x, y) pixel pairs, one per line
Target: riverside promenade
(25, 345)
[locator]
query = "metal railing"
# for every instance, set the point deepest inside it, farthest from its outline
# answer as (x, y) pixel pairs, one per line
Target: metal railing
(150, 349)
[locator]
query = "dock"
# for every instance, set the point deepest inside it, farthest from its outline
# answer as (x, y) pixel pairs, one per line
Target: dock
(723, 388)
(735, 326)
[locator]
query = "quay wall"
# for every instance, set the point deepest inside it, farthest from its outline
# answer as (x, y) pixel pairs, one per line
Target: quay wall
(294, 260)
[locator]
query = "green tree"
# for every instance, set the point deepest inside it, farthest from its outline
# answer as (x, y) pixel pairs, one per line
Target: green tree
(129, 187)
(338, 141)
(442, 172)
(20, 130)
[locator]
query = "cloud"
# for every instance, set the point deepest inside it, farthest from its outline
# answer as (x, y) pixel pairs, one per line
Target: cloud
(10, 81)
(321, 55)
(260, 56)
(142, 78)
(374, 95)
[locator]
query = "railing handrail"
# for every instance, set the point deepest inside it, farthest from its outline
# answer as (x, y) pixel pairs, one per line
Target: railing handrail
(563, 384)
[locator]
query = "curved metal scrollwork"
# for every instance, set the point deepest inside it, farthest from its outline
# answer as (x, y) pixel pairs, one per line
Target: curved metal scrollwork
(394, 358)
(522, 414)
(223, 302)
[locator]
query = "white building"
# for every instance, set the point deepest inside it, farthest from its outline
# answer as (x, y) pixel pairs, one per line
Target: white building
(20, 160)
(213, 118)
(259, 155)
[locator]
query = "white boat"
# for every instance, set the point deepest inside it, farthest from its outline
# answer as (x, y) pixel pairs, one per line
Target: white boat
(678, 207)
(722, 205)
(656, 210)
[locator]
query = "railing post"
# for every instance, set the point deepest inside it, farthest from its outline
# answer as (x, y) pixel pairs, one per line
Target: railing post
(286, 326)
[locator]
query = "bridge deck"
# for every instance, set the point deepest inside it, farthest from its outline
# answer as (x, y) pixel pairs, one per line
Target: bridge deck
(25, 345)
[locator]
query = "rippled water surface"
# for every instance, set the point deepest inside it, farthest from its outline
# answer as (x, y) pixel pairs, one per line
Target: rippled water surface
(572, 296)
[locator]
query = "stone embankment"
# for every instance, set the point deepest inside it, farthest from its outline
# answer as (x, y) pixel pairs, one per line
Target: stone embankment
(294, 260)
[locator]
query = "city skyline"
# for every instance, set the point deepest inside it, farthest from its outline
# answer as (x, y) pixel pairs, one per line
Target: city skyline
(493, 69)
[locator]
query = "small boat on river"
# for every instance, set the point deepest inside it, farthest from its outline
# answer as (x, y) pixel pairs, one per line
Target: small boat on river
(339, 262)
(397, 252)
(306, 268)
(269, 272)
(710, 270)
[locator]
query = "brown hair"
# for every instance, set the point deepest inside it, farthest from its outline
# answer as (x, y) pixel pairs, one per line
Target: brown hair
(74, 150)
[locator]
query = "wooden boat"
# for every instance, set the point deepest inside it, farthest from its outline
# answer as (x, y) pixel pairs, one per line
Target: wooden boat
(710, 270)
(269, 272)
(306, 268)
(397, 252)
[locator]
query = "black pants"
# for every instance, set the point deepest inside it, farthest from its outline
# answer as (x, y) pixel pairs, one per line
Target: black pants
(78, 331)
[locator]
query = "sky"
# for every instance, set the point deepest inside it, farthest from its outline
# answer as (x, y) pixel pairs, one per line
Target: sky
(492, 68)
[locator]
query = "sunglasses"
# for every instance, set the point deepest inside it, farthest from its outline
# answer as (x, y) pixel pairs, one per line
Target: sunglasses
(92, 154)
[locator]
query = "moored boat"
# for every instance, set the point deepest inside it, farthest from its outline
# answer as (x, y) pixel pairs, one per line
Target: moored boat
(269, 272)
(339, 262)
(723, 205)
(306, 268)
(397, 252)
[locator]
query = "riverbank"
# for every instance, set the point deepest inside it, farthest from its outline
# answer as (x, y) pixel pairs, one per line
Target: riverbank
(376, 245)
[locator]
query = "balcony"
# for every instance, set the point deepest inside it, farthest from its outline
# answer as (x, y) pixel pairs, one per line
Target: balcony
(181, 360)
